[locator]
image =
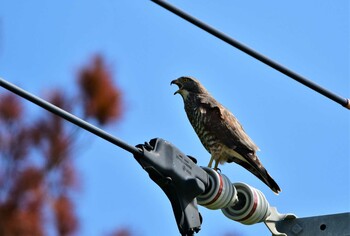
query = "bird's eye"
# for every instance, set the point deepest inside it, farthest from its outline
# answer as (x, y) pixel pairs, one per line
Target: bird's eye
(185, 80)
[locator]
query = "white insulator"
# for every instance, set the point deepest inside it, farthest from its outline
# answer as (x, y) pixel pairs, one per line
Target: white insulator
(220, 194)
(252, 206)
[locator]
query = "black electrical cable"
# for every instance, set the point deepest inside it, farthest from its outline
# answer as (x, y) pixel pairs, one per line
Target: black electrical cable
(342, 101)
(69, 117)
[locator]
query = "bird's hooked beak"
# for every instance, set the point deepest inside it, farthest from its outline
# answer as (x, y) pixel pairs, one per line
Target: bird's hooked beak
(177, 82)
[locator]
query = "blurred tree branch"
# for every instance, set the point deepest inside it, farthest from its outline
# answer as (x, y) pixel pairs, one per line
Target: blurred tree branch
(37, 172)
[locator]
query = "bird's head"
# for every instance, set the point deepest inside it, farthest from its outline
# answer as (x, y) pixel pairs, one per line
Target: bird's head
(188, 85)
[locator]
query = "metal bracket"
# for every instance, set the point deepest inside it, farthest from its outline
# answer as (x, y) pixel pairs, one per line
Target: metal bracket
(335, 224)
(275, 217)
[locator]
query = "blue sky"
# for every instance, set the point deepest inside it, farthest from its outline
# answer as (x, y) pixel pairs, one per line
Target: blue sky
(303, 137)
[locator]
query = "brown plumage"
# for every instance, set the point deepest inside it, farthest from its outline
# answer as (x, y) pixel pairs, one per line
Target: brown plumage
(219, 130)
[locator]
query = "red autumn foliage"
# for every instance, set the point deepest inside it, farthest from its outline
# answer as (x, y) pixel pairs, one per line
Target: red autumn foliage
(55, 142)
(102, 100)
(37, 172)
(23, 205)
(10, 108)
(65, 220)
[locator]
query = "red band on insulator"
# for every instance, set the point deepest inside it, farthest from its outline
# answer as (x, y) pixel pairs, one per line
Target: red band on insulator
(253, 209)
(219, 192)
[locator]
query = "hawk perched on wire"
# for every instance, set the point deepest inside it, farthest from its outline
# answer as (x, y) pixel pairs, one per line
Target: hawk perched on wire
(219, 131)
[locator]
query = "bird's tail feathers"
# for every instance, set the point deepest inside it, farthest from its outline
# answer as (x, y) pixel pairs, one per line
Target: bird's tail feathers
(259, 171)
(272, 184)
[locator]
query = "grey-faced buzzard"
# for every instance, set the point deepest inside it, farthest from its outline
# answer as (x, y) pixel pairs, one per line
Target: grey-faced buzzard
(219, 130)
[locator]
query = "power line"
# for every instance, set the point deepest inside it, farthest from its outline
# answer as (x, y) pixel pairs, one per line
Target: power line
(284, 70)
(66, 115)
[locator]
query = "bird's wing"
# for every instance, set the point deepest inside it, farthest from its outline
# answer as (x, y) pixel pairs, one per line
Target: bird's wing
(223, 123)
(233, 125)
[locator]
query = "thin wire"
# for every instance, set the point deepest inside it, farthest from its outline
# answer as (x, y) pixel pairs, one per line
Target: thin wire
(342, 101)
(69, 117)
